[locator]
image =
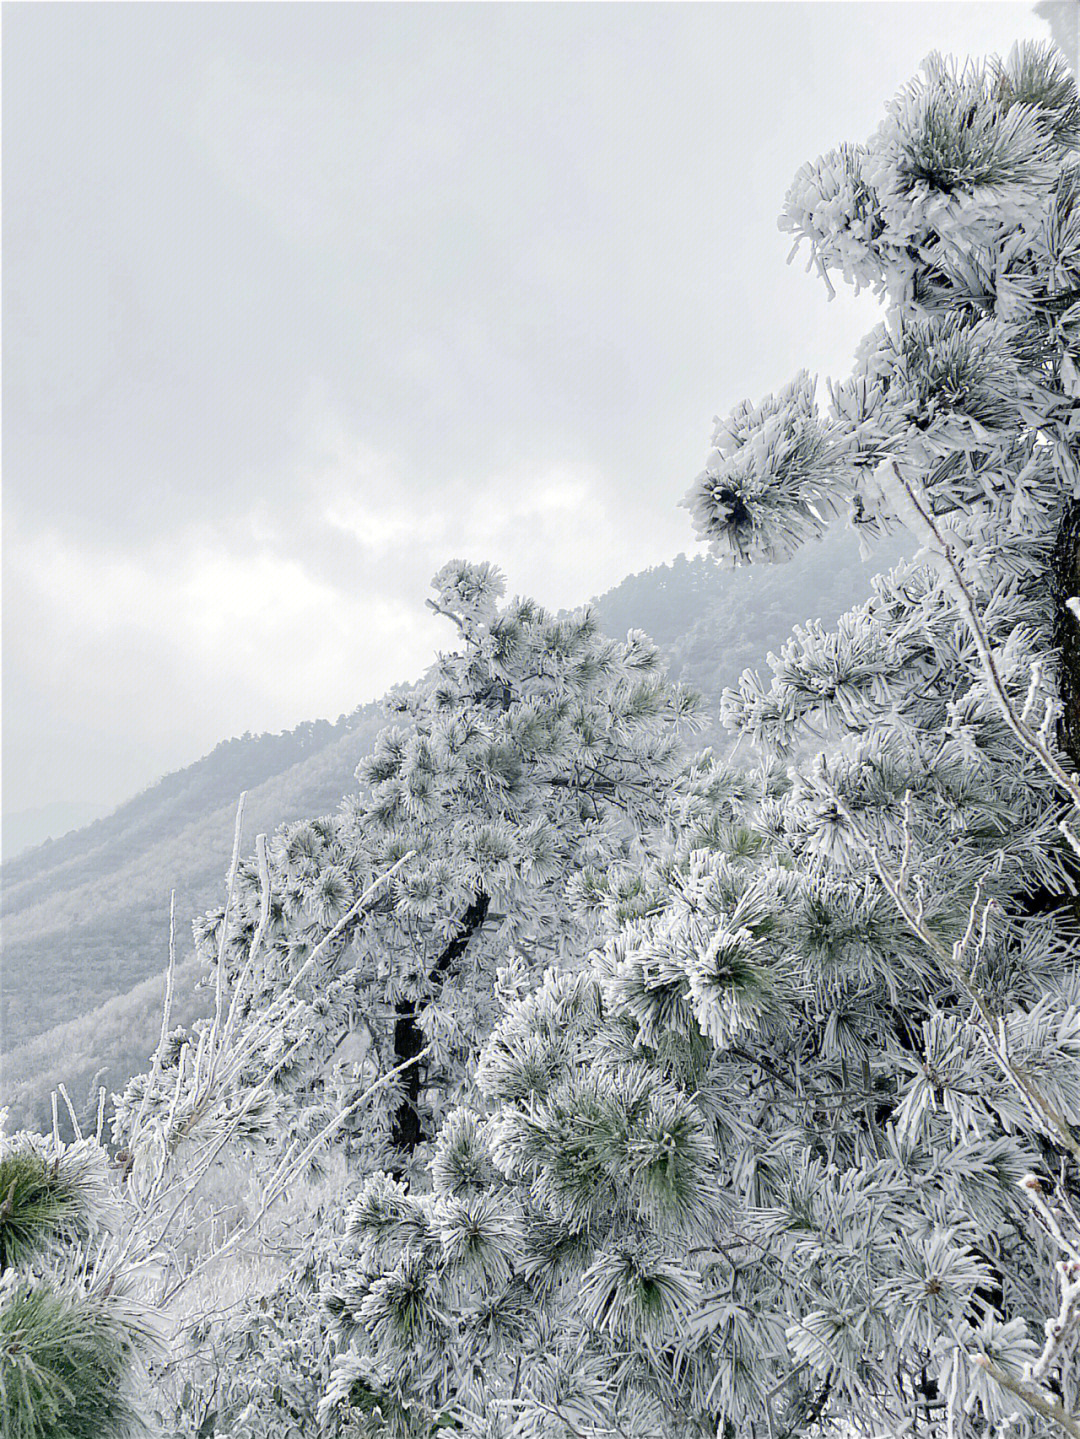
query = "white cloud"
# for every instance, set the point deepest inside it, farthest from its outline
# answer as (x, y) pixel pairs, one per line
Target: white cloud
(193, 640)
(178, 649)
(557, 530)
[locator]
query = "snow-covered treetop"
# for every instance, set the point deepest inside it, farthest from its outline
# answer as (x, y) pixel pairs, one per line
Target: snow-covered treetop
(962, 213)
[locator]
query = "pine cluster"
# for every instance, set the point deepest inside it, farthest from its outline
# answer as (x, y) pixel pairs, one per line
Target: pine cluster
(72, 1344)
(531, 764)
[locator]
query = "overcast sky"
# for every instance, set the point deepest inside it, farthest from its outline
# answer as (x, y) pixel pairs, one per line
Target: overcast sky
(304, 300)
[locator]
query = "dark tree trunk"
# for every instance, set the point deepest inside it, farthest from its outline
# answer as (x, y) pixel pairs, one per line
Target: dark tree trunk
(1064, 583)
(1065, 579)
(409, 1037)
(408, 1042)
(471, 921)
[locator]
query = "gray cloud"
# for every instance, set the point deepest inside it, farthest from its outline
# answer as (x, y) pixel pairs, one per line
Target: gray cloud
(302, 300)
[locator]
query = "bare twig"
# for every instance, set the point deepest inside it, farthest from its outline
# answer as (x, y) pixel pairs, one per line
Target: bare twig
(215, 1029)
(278, 1185)
(214, 1065)
(1033, 741)
(1043, 1403)
(166, 1012)
(272, 1015)
(256, 943)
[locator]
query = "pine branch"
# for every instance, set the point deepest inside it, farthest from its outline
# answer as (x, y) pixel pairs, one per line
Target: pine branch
(1030, 739)
(280, 1182)
(991, 1025)
(1043, 1403)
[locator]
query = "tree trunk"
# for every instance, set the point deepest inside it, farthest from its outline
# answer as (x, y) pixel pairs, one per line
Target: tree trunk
(409, 1037)
(1065, 579)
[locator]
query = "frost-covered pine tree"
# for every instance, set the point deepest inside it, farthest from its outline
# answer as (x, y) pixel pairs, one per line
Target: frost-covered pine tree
(359, 957)
(798, 1153)
(530, 759)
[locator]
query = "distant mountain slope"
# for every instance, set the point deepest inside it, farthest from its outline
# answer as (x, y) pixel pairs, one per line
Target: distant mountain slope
(185, 795)
(102, 1048)
(86, 916)
(712, 622)
(22, 829)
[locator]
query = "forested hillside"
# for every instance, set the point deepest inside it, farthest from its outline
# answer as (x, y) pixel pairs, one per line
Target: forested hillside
(87, 917)
(25, 829)
(712, 623)
(179, 798)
